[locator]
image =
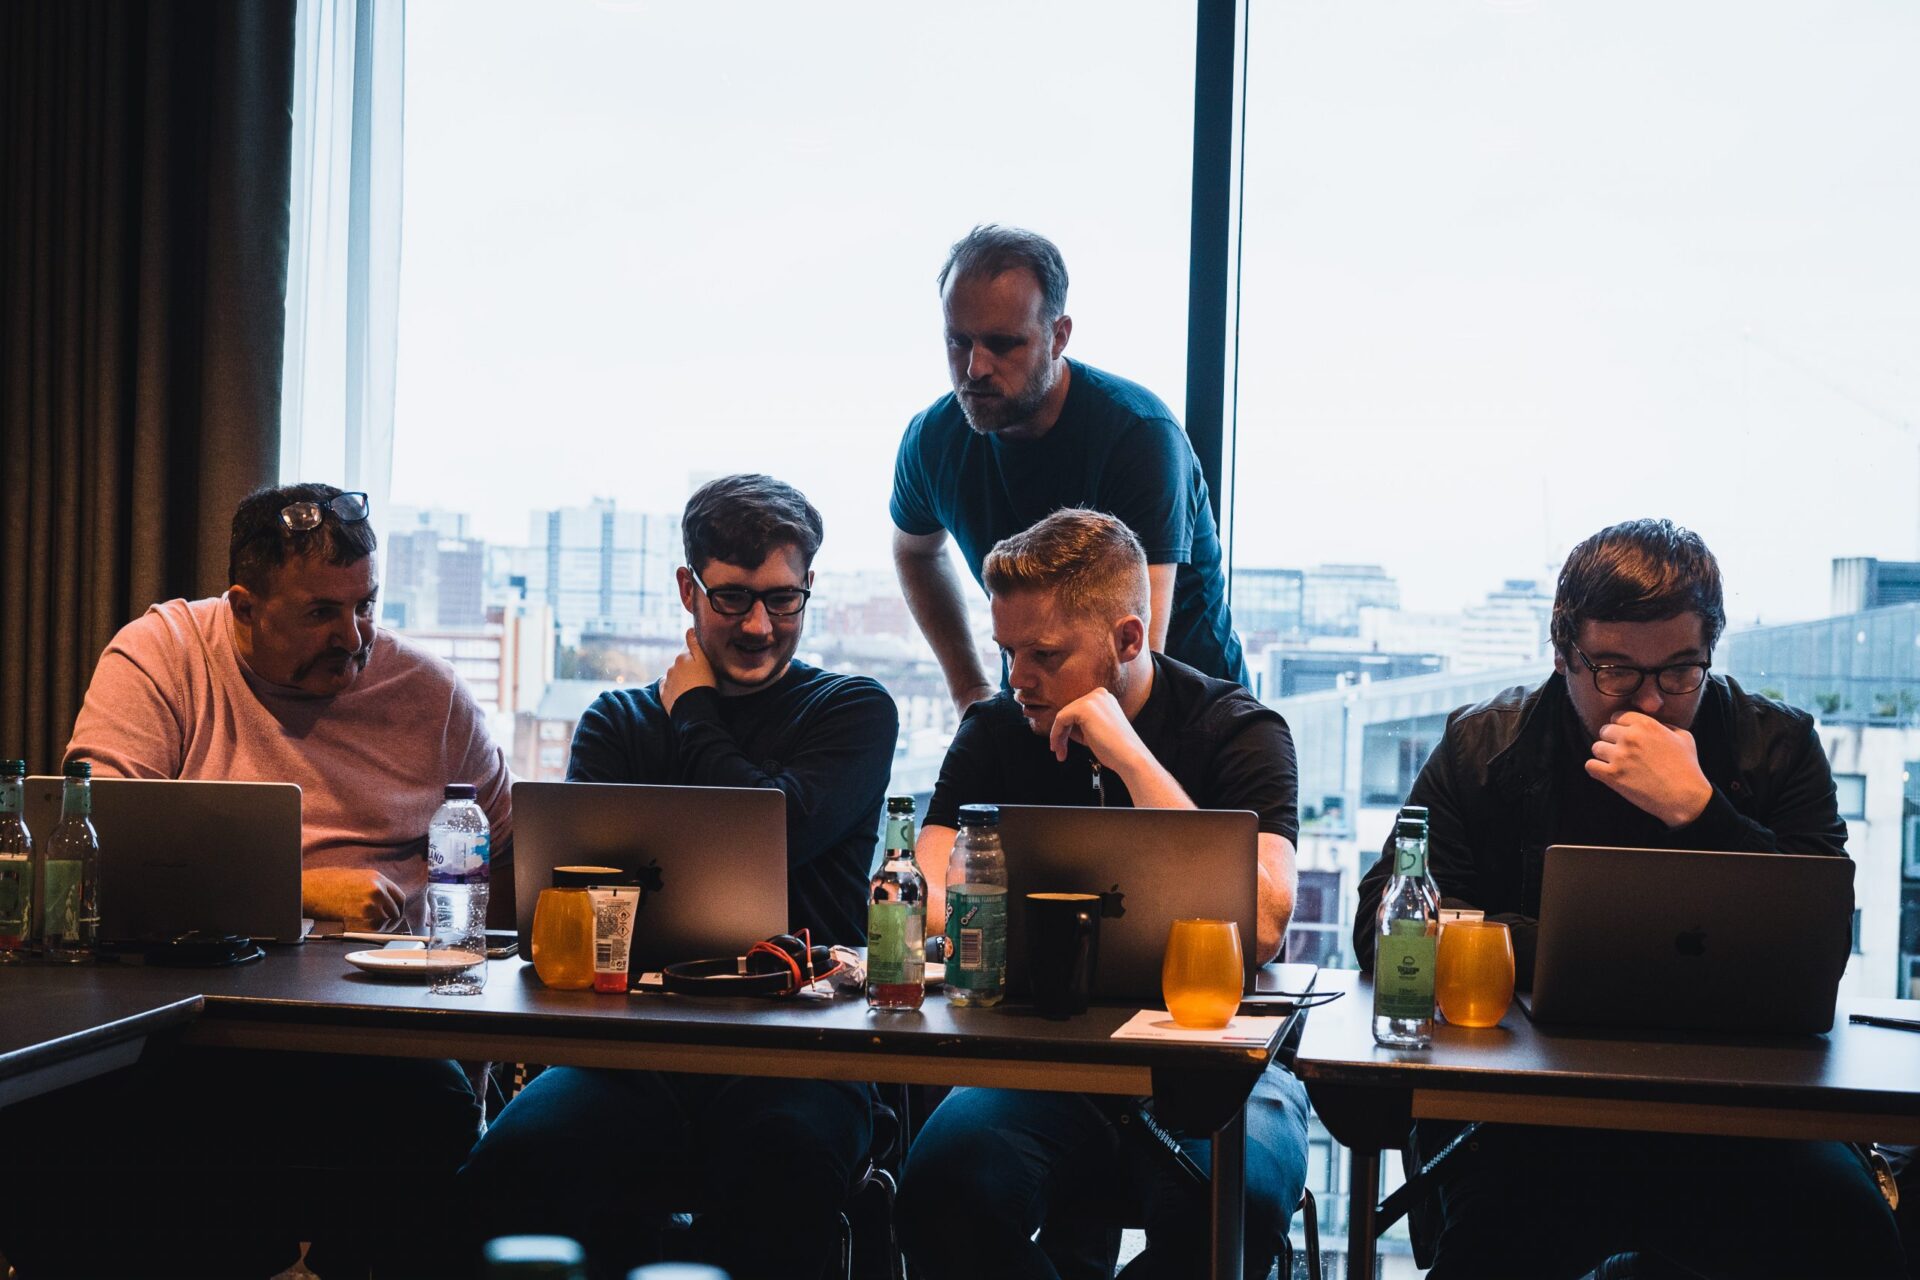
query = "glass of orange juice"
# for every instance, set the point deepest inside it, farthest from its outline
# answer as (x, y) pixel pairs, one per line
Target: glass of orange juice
(1201, 975)
(1473, 972)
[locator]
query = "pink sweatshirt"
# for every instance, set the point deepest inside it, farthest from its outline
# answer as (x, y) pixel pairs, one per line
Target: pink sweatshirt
(171, 698)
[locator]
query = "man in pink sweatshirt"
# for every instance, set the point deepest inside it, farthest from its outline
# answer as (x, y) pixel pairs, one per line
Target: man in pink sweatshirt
(284, 678)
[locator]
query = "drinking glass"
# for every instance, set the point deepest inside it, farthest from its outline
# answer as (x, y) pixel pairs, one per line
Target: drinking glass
(1473, 973)
(1202, 976)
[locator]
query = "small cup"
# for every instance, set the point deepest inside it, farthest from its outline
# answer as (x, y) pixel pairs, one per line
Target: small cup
(1202, 977)
(1473, 972)
(1063, 950)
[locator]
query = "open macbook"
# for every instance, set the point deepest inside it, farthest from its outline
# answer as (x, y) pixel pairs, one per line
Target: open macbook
(1749, 942)
(712, 860)
(176, 856)
(1154, 866)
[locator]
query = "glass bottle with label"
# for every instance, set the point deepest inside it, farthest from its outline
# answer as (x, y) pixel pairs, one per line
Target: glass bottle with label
(977, 910)
(70, 873)
(16, 864)
(897, 918)
(1405, 930)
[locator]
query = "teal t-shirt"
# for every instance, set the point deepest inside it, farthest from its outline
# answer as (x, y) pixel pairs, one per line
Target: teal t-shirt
(1116, 448)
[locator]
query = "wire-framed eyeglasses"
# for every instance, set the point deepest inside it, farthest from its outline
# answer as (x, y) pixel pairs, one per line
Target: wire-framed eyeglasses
(1618, 680)
(738, 602)
(302, 516)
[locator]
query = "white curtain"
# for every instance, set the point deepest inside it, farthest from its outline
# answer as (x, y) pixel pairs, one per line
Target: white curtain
(343, 269)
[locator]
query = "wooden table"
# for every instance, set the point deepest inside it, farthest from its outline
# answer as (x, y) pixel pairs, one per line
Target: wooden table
(308, 999)
(1855, 1084)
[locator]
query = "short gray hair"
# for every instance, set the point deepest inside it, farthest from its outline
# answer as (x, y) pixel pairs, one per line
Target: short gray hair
(990, 249)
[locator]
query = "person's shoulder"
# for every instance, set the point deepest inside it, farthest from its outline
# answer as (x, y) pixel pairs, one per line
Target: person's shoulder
(1124, 396)
(837, 688)
(171, 624)
(399, 660)
(996, 719)
(1197, 695)
(1508, 707)
(1754, 712)
(937, 423)
(633, 704)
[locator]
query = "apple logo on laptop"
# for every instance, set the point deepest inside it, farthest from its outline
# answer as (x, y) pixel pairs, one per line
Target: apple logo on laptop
(1691, 942)
(649, 878)
(1113, 904)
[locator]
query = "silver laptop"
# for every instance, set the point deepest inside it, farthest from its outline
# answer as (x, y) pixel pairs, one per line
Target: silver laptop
(713, 860)
(1155, 865)
(175, 856)
(1747, 942)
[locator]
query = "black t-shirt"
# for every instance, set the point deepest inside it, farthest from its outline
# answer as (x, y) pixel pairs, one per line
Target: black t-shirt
(1115, 448)
(824, 739)
(1225, 749)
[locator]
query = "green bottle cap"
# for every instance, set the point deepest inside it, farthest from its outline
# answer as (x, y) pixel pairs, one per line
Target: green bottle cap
(79, 769)
(13, 769)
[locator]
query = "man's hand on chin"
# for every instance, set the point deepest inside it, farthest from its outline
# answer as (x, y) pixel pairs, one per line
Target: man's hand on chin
(362, 898)
(1653, 765)
(690, 670)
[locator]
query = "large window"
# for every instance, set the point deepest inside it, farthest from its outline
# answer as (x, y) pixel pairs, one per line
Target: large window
(1515, 271)
(645, 245)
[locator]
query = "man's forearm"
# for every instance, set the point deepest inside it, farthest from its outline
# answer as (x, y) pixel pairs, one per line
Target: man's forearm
(933, 592)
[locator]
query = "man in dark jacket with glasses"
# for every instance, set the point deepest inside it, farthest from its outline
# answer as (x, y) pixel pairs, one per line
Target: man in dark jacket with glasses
(1631, 743)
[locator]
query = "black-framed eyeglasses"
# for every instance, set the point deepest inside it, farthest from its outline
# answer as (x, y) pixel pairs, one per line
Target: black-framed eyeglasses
(302, 516)
(1617, 680)
(738, 602)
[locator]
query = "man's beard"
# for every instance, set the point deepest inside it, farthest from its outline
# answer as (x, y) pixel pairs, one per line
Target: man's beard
(996, 415)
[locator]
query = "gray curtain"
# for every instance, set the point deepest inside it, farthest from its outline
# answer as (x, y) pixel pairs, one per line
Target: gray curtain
(144, 163)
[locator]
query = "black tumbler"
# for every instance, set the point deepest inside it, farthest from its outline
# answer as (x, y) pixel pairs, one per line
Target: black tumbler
(1063, 948)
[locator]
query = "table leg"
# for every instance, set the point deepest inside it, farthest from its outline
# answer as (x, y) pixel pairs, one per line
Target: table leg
(1363, 1200)
(1229, 1197)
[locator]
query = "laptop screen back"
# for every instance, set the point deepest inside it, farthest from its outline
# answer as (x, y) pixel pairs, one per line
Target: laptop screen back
(1157, 865)
(713, 860)
(1752, 942)
(220, 857)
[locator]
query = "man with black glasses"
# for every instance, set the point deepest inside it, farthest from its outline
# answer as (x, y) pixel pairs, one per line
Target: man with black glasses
(283, 678)
(606, 1156)
(1631, 743)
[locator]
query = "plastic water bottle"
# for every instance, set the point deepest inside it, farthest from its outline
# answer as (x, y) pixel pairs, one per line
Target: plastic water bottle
(1405, 929)
(70, 918)
(977, 910)
(458, 844)
(16, 864)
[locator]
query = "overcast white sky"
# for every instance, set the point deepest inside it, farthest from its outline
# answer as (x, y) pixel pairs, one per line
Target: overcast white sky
(1513, 270)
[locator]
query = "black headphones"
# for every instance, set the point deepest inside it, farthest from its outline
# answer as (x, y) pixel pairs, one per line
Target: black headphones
(780, 966)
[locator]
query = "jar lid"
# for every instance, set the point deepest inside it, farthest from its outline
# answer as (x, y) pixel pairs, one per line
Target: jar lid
(586, 877)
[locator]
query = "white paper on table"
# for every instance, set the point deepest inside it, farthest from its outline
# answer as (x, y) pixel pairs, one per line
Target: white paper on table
(1158, 1024)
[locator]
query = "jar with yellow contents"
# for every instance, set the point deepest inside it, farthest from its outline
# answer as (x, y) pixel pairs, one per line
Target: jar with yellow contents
(563, 928)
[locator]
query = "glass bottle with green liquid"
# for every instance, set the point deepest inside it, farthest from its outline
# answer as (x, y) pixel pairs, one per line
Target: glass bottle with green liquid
(70, 920)
(1405, 931)
(897, 918)
(16, 864)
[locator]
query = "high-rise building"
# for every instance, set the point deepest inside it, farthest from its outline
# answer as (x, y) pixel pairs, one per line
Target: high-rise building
(433, 574)
(1862, 582)
(1268, 604)
(603, 571)
(1510, 628)
(1334, 594)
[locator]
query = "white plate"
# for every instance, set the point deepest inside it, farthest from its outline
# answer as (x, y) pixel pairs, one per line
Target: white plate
(413, 961)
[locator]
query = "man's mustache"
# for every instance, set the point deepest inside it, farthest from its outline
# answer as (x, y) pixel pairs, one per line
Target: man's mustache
(358, 657)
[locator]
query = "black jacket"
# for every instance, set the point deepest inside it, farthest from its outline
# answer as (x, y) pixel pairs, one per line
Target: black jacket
(1489, 789)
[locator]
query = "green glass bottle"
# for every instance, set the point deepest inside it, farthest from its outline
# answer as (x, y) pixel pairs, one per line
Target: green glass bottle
(70, 876)
(16, 864)
(1405, 930)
